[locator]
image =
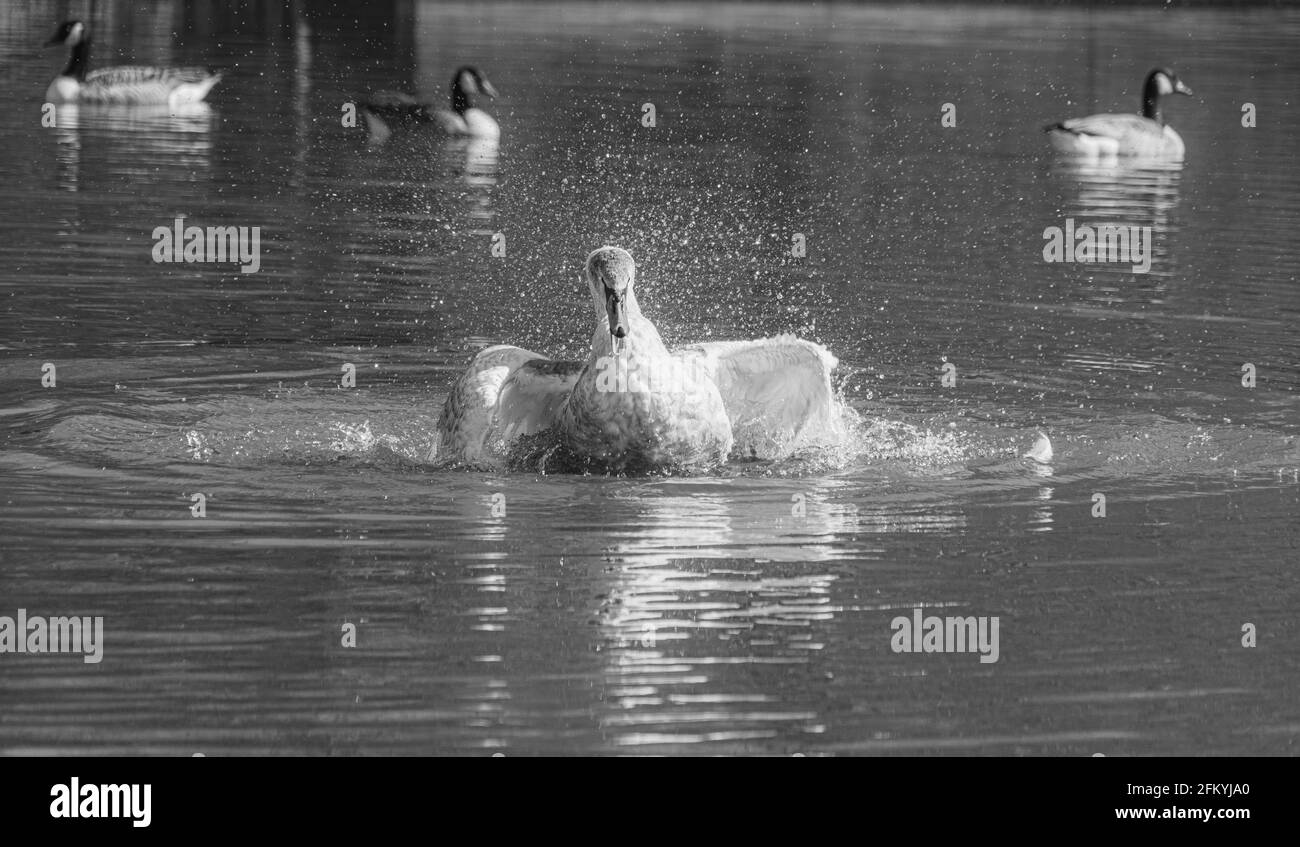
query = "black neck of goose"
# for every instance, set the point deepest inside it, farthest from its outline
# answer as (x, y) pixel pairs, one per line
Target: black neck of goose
(79, 60)
(460, 99)
(1151, 101)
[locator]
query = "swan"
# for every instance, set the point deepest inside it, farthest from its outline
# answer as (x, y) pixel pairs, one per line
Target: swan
(1126, 135)
(125, 84)
(633, 406)
(385, 109)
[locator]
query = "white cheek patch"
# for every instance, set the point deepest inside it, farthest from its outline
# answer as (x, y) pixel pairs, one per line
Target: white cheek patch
(1163, 85)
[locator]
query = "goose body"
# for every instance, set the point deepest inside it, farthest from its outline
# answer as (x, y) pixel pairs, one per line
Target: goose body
(387, 109)
(634, 406)
(1145, 135)
(125, 84)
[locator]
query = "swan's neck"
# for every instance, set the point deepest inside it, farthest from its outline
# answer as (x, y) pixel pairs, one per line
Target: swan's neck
(642, 338)
(79, 60)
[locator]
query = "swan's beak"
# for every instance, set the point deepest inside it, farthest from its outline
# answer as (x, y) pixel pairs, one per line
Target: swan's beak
(54, 39)
(486, 88)
(1181, 88)
(617, 312)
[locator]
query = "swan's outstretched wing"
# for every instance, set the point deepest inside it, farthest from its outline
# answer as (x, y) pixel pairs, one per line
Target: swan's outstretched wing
(531, 397)
(506, 392)
(774, 389)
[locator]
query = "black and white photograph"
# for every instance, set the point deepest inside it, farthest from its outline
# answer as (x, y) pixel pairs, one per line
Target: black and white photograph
(400, 378)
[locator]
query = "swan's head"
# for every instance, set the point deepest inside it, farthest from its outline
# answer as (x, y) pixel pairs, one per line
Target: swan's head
(610, 273)
(69, 33)
(1163, 81)
(467, 83)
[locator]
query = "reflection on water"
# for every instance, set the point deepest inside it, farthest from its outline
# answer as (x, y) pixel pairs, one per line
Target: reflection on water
(747, 612)
(1040, 519)
(656, 691)
(480, 157)
(677, 630)
(1128, 193)
(1139, 197)
(132, 143)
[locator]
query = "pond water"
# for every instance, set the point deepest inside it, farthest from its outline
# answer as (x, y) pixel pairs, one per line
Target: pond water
(747, 611)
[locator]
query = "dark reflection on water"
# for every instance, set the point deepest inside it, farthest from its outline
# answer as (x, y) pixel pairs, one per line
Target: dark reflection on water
(745, 612)
(132, 140)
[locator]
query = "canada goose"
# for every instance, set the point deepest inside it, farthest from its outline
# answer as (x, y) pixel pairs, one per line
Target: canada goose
(1126, 135)
(386, 109)
(125, 84)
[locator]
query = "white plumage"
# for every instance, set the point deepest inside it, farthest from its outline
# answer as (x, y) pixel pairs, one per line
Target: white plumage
(774, 389)
(633, 405)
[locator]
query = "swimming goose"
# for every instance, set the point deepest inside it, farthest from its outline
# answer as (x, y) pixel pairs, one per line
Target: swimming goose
(386, 109)
(633, 406)
(1126, 135)
(125, 84)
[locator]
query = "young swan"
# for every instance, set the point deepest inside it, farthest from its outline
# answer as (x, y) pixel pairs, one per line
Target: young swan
(635, 406)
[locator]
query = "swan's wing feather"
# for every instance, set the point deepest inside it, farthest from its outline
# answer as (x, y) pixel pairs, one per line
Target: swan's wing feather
(773, 388)
(532, 395)
(505, 392)
(467, 413)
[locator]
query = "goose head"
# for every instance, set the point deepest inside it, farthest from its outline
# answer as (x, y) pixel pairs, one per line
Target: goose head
(466, 84)
(1160, 82)
(1166, 81)
(610, 273)
(69, 33)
